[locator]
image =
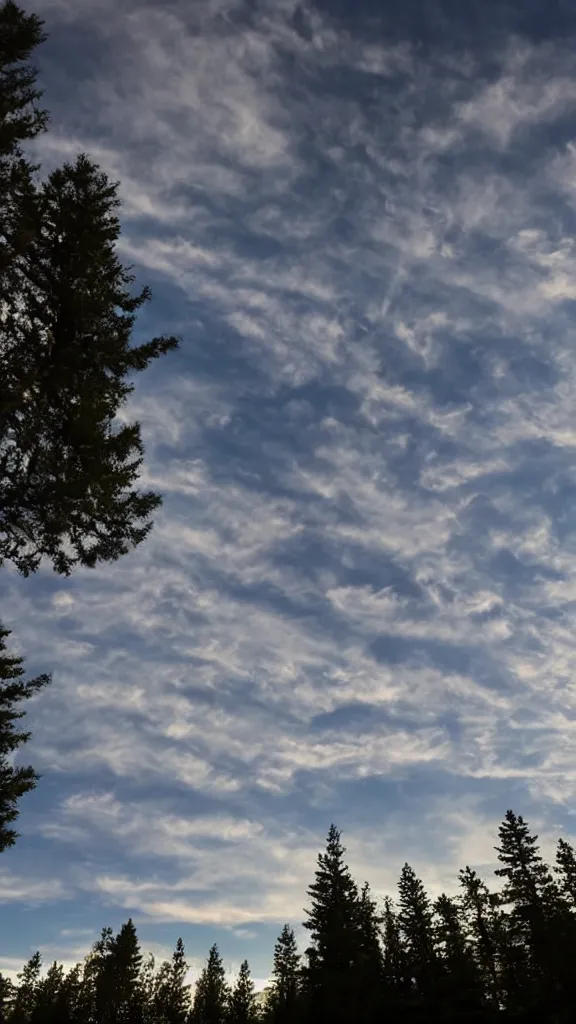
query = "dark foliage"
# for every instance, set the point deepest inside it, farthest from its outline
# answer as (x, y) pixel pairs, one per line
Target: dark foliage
(15, 781)
(67, 469)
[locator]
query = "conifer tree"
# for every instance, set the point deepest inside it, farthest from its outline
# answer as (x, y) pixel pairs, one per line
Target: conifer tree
(461, 985)
(537, 917)
(15, 782)
(211, 997)
(283, 995)
(529, 886)
(396, 971)
(117, 963)
(125, 962)
(20, 121)
(565, 923)
(69, 1008)
(172, 995)
(7, 994)
(330, 974)
(566, 870)
(370, 963)
(242, 1004)
(483, 925)
(97, 978)
(20, 118)
(88, 996)
(26, 991)
(48, 1002)
(66, 469)
(416, 925)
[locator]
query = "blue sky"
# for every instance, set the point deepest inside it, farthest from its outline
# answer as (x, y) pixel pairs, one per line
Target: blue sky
(358, 602)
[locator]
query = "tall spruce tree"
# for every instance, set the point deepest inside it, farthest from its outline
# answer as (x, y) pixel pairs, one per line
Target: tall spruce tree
(93, 990)
(415, 918)
(26, 991)
(117, 961)
(484, 927)
(66, 470)
(461, 989)
(69, 1007)
(331, 973)
(396, 967)
(283, 997)
(565, 924)
(536, 921)
(48, 1001)
(565, 869)
(15, 781)
(212, 995)
(7, 993)
(370, 961)
(529, 887)
(171, 997)
(20, 121)
(242, 1003)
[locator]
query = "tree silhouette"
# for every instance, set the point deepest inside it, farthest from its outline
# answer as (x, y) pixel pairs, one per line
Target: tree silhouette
(66, 470)
(242, 1005)
(283, 998)
(212, 996)
(459, 960)
(15, 782)
(333, 923)
(172, 995)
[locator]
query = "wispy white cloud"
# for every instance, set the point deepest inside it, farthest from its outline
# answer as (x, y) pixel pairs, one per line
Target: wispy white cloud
(30, 891)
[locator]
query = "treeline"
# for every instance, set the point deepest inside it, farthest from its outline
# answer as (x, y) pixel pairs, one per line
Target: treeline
(478, 955)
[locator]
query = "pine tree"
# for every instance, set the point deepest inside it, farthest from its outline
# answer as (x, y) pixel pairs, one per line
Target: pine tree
(48, 1006)
(20, 121)
(115, 975)
(370, 962)
(27, 991)
(416, 925)
(125, 962)
(537, 916)
(66, 470)
(97, 980)
(566, 870)
(242, 1005)
(396, 971)
(529, 886)
(7, 994)
(211, 997)
(565, 924)
(20, 118)
(330, 974)
(483, 925)
(69, 1008)
(172, 995)
(284, 991)
(15, 782)
(461, 984)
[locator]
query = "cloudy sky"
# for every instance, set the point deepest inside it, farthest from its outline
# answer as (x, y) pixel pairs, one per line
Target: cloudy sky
(358, 603)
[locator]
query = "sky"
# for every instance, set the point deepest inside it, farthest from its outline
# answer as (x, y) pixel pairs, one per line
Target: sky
(358, 602)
